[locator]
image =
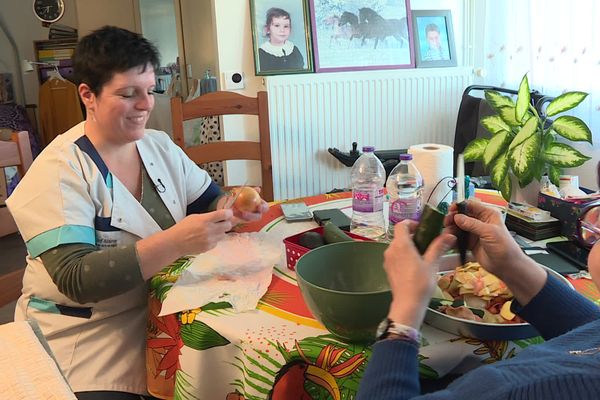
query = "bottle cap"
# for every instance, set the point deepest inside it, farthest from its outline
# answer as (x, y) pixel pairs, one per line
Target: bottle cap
(368, 149)
(405, 157)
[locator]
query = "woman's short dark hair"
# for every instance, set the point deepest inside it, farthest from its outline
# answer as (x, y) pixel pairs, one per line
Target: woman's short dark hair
(109, 50)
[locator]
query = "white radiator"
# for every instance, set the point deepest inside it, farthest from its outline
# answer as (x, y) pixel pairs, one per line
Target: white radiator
(385, 109)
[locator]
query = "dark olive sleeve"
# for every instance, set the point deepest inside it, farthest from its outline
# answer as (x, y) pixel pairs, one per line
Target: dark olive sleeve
(85, 274)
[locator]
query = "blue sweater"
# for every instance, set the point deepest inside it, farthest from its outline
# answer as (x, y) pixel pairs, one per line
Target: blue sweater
(547, 371)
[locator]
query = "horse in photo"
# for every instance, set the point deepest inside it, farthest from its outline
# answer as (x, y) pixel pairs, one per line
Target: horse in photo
(380, 28)
(357, 30)
(338, 31)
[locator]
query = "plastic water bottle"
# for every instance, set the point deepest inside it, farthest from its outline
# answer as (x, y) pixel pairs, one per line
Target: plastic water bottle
(405, 191)
(368, 177)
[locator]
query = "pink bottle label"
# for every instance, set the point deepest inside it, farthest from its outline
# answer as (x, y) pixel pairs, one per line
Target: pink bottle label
(367, 200)
(402, 209)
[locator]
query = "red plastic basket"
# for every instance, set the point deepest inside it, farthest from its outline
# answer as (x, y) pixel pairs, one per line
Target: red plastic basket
(293, 251)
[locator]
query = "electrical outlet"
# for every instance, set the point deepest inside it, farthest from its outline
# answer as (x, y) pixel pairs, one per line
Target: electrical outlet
(234, 80)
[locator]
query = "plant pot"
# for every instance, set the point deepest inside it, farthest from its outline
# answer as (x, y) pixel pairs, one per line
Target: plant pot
(527, 195)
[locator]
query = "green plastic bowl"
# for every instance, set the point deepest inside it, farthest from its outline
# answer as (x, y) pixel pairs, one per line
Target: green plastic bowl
(345, 287)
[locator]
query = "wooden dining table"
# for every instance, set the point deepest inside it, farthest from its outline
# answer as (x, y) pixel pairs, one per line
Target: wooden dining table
(214, 353)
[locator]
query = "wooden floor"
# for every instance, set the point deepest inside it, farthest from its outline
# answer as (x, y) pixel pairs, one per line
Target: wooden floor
(12, 258)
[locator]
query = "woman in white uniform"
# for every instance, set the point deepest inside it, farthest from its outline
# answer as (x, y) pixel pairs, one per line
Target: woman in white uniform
(102, 209)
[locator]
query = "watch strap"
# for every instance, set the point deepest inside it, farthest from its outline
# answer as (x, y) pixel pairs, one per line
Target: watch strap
(396, 331)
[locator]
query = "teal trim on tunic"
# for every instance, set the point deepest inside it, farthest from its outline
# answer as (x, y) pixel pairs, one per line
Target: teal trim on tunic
(43, 305)
(61, 235)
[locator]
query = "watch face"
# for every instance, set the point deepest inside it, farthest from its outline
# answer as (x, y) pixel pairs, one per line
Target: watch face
(48, 10)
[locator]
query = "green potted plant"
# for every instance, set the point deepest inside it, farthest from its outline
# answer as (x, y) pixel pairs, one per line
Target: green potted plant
(524, 144)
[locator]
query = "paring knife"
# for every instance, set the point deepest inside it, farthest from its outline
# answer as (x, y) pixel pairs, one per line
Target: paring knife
(462, 237)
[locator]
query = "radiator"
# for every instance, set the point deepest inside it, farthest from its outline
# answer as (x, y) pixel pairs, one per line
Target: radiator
(386, 109)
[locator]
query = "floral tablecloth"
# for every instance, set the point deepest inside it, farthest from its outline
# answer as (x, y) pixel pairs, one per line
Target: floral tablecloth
(213, 353)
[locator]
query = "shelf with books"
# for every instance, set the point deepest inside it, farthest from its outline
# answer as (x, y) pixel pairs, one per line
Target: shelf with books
(56, 52)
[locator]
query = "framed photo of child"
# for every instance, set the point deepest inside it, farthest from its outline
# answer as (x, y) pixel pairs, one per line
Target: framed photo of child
(361, 35)
(434, 38)
(281, 37)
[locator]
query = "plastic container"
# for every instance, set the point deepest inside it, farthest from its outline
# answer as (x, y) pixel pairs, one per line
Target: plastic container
(405, 191)
(293, 251)
(368, 176)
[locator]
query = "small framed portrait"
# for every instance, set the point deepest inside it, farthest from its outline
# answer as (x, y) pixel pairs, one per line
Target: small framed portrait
(361, 35)
(281, 37)
(434, 38)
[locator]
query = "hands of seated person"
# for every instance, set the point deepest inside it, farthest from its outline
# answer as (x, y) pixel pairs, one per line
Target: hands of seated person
(246, 215)
(489, 240)
(198, 233)
(496, 250)
(412, 278)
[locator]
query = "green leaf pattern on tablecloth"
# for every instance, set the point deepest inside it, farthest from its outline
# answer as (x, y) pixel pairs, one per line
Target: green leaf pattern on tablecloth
(183, 387)
(161, 283)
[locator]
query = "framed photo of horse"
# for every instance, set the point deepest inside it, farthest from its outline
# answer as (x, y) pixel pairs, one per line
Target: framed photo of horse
(434, 38)
(361, 35)
(281, 37)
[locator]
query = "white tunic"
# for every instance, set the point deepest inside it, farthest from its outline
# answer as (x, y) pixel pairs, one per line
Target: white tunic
(69, 196)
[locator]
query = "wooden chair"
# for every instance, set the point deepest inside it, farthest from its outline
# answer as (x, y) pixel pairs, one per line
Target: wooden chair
(10, 286)
(228, 103)
(17, 153)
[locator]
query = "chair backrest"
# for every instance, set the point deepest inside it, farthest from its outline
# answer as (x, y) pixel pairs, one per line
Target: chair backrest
(10, 286)
(16, 152)
(228, 103)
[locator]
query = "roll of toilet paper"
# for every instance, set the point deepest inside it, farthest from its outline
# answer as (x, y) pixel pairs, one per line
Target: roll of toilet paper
(435, 162)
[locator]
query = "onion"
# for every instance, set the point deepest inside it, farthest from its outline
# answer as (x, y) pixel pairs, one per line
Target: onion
(248, 199)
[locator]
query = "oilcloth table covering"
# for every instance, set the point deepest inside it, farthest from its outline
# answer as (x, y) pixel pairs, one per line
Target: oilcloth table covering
(213, 353)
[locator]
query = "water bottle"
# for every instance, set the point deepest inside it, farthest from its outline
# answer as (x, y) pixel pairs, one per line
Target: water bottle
(368, 177)
(405, 191)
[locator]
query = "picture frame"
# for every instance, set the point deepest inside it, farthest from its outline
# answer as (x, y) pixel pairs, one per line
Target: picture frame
(361, 35)
(434, 38)
(290, 51)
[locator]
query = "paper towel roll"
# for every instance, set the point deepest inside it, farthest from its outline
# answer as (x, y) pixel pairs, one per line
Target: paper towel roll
(435, 162)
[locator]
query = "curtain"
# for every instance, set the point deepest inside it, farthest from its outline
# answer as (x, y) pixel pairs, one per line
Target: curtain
(557, 43)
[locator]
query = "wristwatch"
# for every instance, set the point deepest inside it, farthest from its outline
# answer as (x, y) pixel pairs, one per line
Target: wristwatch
(389, 329)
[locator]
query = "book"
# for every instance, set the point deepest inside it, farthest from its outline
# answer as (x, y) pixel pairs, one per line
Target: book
(533, 230)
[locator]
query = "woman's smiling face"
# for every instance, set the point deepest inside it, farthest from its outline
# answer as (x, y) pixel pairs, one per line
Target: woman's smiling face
(121, 108)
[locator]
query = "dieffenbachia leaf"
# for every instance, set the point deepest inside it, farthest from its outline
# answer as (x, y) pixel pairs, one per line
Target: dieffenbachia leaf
(523, 99)
(548, 139)
(506, 187)
(508, 115)
(563, 156)
(523, 156)
(474, 150)
(572, 128)
(498, 144)
(499, 170)
(554, 175)
(497, 100)
(528, 130)
(565, 102)
(494, 124)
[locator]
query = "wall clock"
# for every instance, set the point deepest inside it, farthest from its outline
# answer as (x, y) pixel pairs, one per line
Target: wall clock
(48, 10)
